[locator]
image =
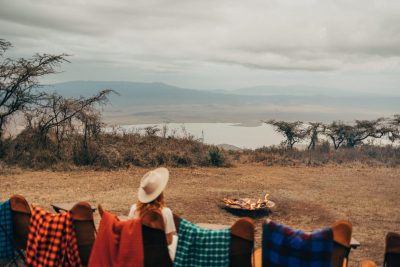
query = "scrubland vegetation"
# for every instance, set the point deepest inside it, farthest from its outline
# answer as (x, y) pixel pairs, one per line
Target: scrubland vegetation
(65, 132)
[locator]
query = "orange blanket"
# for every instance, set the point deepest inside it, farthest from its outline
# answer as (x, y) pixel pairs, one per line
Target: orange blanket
(51, 240)
(118, 243)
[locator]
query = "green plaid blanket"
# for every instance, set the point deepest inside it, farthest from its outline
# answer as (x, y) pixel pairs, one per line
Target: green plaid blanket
(200, 247)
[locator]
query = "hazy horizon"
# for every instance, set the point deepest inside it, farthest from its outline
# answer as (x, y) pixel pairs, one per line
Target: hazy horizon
(301, 87)
(160, 102)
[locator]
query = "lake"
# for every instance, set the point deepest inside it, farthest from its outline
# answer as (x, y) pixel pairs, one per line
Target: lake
(220, 133)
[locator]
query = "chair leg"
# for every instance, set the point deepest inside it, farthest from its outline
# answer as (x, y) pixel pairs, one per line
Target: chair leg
(18, 259)
(12, 262)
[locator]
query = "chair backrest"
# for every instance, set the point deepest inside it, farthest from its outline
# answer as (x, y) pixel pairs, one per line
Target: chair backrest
(392, 250)
(342, 231)
(85, 229)
(155, 246)
(21, 216)
(242, 242)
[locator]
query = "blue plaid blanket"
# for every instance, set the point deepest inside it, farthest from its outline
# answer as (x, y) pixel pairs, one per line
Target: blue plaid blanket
(200, 247)
(283, 246)
(6, 231)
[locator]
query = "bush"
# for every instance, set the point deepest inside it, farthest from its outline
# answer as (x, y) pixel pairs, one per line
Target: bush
(214, 156)
(82, 156)
(112, 150)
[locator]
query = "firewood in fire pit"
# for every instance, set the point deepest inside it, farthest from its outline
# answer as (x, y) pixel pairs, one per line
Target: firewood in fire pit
(249, 204)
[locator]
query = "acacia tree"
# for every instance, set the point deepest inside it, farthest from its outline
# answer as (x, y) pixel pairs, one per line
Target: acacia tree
(336, 131)
(363, 129)
(19, 81)
(313, 131)
(350, 136)
(293, 131)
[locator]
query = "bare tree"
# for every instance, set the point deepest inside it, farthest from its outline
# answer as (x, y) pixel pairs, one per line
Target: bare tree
(57, 112)
(91, 125)
(313, 131)
(293, 131)
(19, 81)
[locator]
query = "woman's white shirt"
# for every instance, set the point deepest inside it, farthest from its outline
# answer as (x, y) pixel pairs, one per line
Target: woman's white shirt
(167, 216)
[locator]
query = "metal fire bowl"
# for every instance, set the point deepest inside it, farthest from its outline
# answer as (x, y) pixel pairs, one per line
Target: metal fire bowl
(242, 212)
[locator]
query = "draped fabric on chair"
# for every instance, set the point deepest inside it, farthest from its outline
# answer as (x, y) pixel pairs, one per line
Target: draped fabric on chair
(6, 232)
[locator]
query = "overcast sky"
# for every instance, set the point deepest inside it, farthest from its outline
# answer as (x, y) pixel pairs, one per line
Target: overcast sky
(214, 44)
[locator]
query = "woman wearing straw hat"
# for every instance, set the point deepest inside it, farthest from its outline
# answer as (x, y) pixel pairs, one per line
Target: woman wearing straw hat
(151, 197)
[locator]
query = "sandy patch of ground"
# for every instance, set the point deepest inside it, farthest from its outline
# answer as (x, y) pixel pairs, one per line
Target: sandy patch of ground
(307, 198)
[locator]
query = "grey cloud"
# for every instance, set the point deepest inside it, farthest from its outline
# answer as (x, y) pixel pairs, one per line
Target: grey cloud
(49, 17)
(178, 36)
(277, 67)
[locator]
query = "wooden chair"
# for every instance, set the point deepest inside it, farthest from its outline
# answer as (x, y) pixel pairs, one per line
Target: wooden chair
(242, 242)
(21, 216)
(85, 229)
(155, 245)
(342, 231)
(392, 250)
(83, 223)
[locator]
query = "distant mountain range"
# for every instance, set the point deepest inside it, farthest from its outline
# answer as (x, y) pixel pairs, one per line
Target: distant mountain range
(297, 90)
(159, 102)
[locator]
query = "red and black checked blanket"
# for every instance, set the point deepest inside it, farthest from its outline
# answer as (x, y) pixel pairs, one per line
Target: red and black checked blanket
(51, 240)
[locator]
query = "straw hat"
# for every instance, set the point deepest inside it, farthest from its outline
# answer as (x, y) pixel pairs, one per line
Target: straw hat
(153, 184)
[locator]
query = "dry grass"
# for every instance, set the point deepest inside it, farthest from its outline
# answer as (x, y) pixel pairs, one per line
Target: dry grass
(307, 198)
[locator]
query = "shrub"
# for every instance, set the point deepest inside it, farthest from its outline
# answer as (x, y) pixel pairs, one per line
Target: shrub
(214, 156)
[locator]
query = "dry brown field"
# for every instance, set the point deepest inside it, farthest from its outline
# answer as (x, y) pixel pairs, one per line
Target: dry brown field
(306, 198)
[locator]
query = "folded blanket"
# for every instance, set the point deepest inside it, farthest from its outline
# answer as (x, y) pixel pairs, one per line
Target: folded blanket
(51, 240)
(6, 231)
(118, 243)
(202, 247)
(283, 246)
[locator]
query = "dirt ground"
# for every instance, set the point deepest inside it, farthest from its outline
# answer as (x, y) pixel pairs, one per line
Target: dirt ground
(306, 198)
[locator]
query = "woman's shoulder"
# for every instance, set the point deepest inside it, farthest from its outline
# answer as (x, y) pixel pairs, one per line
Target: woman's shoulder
(166, 210)
(132, 211)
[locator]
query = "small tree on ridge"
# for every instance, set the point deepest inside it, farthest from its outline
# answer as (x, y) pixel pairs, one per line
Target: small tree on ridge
(293, 131)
